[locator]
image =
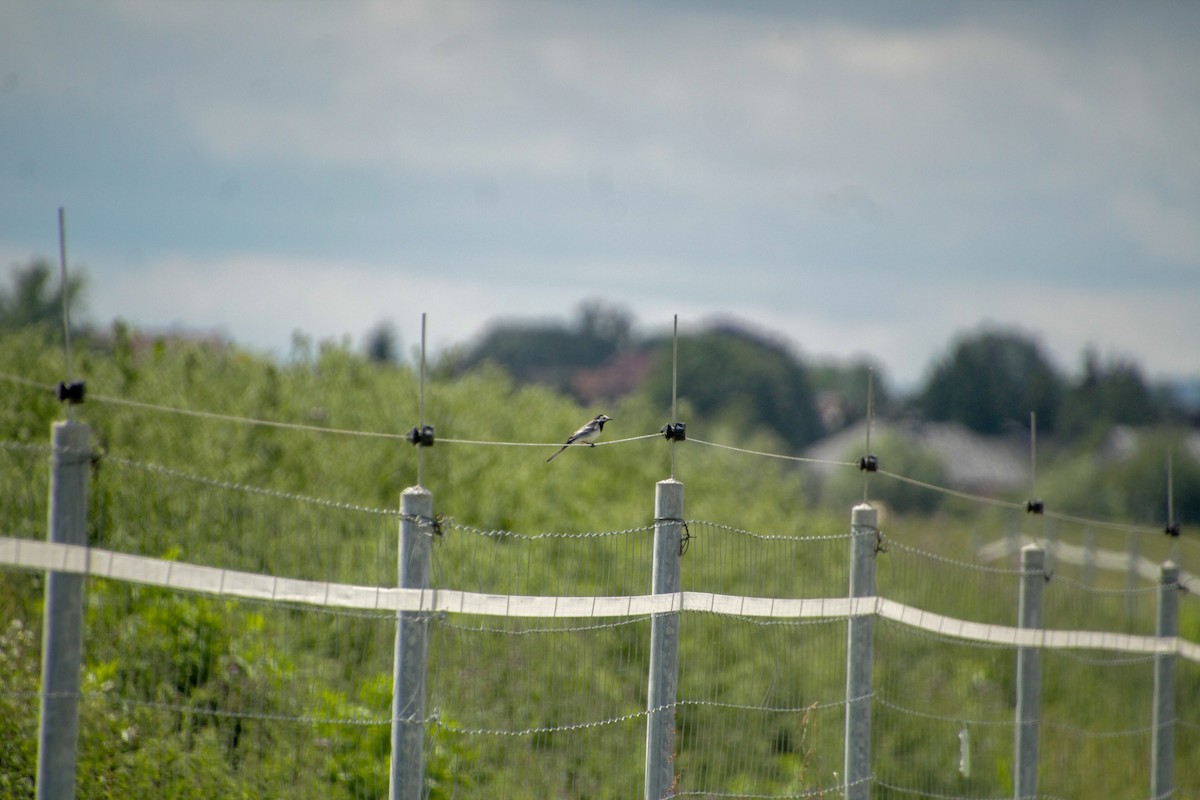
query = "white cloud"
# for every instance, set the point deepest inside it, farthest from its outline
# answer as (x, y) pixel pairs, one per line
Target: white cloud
(855, 182)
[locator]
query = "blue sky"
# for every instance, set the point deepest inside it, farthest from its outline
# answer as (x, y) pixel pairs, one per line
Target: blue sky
(863, 178)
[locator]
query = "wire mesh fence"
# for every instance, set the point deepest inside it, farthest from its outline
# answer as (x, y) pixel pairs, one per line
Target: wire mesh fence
(186, 694)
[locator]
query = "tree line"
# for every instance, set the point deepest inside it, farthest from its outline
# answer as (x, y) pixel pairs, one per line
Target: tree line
(989, 379)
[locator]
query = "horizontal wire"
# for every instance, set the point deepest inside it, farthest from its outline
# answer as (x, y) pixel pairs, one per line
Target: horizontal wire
(782, 457)
(247, 488)
(503, 534)
(49, 387)
(441, 440)
(266, 423)
(934, 796)
(1114, 526)
(820, 537)
(497, 533)
(1010, 722)
(821, 791)
(975, 498)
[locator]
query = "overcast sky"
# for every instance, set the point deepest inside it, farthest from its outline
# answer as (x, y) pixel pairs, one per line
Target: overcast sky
(863, 178)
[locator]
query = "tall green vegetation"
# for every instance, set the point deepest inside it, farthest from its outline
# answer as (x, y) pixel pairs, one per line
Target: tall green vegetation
(301, 694)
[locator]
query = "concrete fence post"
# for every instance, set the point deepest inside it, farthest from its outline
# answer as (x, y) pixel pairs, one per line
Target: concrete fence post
(860, 644)
(664, 643)
(1029, 673)
(62, 635)
(412, 632)
(1162, 734)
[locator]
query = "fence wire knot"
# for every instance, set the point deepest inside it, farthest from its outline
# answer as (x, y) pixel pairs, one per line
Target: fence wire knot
(685, 536)
(432, 525)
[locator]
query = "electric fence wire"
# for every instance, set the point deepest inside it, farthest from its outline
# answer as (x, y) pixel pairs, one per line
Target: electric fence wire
(253, 421)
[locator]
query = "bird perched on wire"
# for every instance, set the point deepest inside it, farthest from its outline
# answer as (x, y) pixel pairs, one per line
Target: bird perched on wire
(588, 434)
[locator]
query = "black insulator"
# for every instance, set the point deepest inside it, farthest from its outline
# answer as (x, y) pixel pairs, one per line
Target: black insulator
(674, 431)
(869, 463)
(71, 392)
(1172, 530)
(1034, 507)
(422, 436)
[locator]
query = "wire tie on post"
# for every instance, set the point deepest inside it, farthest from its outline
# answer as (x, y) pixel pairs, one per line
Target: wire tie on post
(684, 538)
(1172, 529)
(1035, 506)
(868, 463)
(432, 524)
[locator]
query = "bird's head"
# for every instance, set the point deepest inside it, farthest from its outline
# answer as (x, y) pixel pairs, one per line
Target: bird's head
(601, 419)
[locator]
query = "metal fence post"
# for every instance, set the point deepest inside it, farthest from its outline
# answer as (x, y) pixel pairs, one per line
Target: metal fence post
(62, 636)
(1029, 673)
(412, 631)
(664, 643)
(1162, 735)
(860, 646)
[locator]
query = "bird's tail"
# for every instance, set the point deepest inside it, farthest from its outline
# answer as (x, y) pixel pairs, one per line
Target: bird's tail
(557, 454)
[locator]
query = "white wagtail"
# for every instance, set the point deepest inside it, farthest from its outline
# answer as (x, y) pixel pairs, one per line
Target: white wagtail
(588, 434)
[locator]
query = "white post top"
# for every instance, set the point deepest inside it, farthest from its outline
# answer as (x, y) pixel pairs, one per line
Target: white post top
(864, 514)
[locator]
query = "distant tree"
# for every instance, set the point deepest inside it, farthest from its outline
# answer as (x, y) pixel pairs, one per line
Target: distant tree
(551, 352)
(842, 391)
(34, 300)
(603, 322)
(744, 378)
(383, 343)
(1106, 394)
(990, 381)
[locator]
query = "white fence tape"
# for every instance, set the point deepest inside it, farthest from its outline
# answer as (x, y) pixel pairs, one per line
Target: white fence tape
(39, 555)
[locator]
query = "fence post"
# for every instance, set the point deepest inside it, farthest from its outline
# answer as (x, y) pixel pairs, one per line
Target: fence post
(62, 635)
(1162, 735)
(860, 653)
(664, 643)
(1029, 672)
(412, 629)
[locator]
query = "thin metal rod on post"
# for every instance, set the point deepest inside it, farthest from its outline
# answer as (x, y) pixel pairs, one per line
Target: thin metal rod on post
(664, 643)
(62, 637)
(412, 644)
(66, 304)
(860, 644)
(1172, 527)
(421, 410)
(674, 387)
(870, 422)
(1162, 733)
(1029, 673)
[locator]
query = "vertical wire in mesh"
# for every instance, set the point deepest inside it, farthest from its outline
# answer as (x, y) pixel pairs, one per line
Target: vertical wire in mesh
(942, 714)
